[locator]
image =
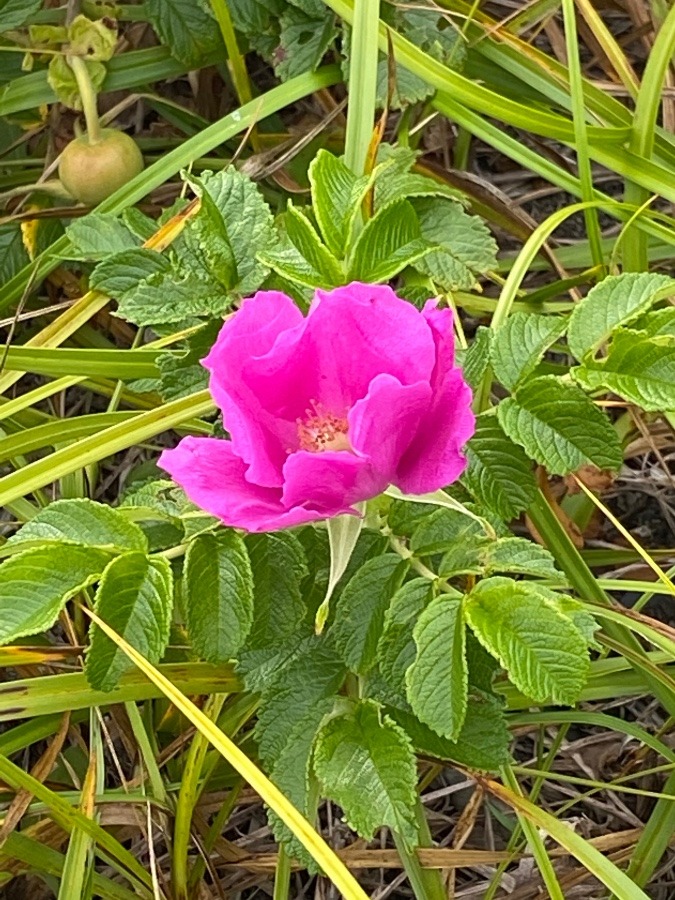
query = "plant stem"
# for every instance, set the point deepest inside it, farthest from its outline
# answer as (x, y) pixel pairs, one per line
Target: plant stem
(282, 875)
(88, 97)
(427, 884)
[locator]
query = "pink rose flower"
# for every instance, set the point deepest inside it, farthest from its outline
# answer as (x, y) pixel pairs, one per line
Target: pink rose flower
(326, 410)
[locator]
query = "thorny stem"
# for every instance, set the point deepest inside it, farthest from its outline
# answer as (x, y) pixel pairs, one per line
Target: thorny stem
(88, 97)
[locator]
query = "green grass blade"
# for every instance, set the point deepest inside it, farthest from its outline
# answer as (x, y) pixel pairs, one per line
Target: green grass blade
(99, 446)
(611, 876)
(579, 118)
(655, 837)
(123, 364)
(642, 138)
(69, 819)
(39, 857)
(50, 694)
(362, 83)
(535, 842)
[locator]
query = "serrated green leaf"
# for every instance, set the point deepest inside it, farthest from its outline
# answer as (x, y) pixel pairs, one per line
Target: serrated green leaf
(295, 700)
(661, 321)
(482, 667)
(141, 225)
(638, 368)
(462, 559)
(185, 27)
(36, 584)
(84, 522)
(582, 620)
(393, 184)
(248, 221)
(303, 40)
(403, 517)
(408, 88)
(14, 13)
(498, 473)
(616, 300)
(560, 427)
(475, 360)
(389, 242)
(542, 651)
(305, 239)
(134, 597)
(396, 647)
(120, 273)
(336, 196)
(173, 296)
(182, 373)
(206, 237)
(160, 494)
(360, 610)
(254, 16)
(99, 235)
(443, 530)
(519, 345)
(437, 680)
(463, 245)
(298, 698)
(13, 254)
(483, 742)
(289, 264)
(427, 28)
(260, 666)
(520, 557)
(278, 564)
(218, 594)
(365, 763)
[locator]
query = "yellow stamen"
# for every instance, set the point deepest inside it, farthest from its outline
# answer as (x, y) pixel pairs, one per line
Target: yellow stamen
(321, 430)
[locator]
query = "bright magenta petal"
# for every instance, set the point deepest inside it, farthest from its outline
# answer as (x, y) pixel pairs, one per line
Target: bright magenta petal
(384, 423)
(359, 331)
(332, 480)
(434, 459)
(214, 478)
(260, 436)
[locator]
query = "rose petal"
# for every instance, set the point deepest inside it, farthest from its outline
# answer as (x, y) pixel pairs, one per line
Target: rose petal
(331, 481)
(360, 331)
(434, 458)
(214, 478)
(383, 424)
(260, 436)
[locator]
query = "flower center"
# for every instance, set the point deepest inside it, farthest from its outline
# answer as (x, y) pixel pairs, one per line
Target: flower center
(321, 430)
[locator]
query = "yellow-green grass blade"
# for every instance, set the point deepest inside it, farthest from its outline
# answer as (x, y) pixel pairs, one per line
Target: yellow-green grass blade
(99, 446)
(329, 862)
(49, 694)
(609, 874)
